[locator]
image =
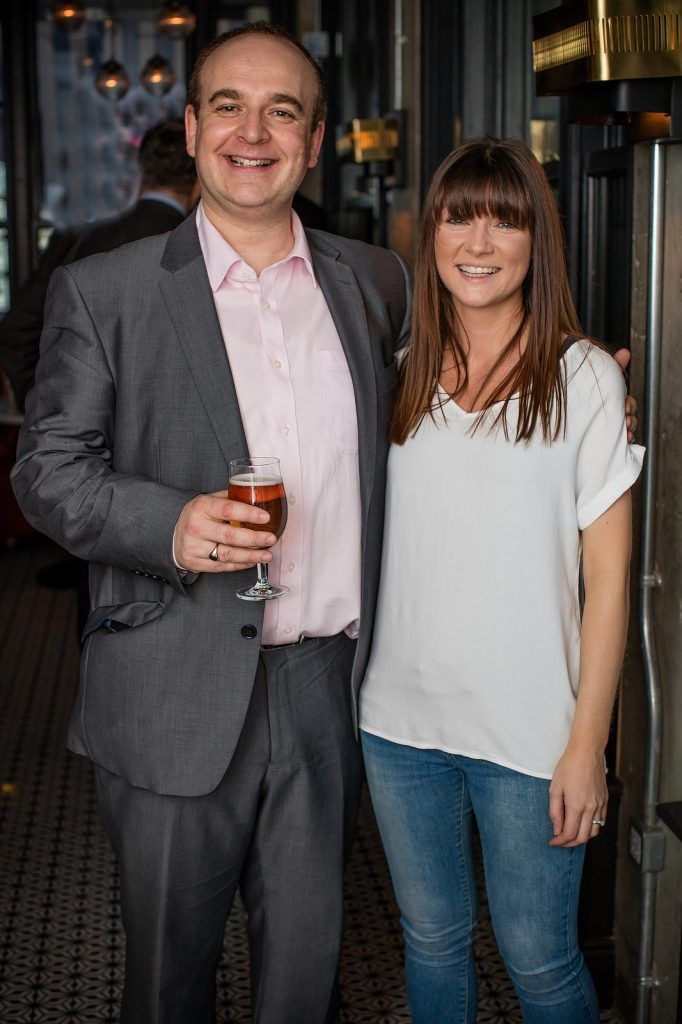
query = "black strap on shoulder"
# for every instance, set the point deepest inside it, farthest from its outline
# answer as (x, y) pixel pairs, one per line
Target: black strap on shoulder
(570, 340)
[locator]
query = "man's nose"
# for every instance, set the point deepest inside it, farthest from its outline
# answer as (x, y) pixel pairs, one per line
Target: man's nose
(253, 129)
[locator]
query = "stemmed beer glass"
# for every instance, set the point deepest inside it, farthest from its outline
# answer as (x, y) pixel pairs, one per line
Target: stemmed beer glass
(259, 482)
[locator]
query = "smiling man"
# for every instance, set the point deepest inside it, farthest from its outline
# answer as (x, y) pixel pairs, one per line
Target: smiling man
(255, 123)
(222, 732)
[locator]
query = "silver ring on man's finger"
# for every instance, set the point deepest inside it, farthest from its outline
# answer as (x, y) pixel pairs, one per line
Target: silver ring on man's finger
(599, 821)
(214, 554)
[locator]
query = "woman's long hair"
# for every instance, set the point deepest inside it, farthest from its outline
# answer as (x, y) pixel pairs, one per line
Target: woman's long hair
(498, 178)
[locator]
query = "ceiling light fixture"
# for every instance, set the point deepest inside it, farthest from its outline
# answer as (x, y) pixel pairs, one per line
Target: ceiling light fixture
(68, 15)
(176, 20)
(157, 76)
(113, 81)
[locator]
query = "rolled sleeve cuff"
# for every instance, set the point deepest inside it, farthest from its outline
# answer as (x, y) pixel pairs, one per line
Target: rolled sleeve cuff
(612, 490)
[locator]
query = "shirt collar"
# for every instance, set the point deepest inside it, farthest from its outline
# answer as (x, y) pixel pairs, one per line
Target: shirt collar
(161, 197)
(220, 256)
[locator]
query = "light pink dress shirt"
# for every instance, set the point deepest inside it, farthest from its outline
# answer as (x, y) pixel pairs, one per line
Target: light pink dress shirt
(297, 403)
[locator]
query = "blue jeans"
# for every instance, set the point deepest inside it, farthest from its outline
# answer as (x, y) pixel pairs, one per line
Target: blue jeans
(424, 801)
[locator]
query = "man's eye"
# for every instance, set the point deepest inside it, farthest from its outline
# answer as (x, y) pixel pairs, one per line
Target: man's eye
(226, 108)
(282, 114)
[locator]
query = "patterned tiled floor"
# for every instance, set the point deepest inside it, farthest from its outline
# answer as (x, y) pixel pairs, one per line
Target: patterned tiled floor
(61, 946)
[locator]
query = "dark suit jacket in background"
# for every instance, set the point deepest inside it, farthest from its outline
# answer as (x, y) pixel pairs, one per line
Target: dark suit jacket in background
(21, 327)
(135, 412)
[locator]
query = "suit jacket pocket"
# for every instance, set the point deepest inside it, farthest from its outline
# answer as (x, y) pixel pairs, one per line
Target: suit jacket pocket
(134, 613)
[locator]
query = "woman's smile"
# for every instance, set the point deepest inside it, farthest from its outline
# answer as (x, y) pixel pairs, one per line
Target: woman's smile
(482, 261)
(477, 272)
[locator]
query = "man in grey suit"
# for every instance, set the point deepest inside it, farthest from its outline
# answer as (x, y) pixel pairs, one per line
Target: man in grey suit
(223, 734)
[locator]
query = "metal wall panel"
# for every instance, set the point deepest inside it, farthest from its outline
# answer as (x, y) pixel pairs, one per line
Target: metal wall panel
(477, 73)
(667, 604)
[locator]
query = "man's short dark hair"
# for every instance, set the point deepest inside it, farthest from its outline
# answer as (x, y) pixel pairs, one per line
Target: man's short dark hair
(163, 157)
(273, 32)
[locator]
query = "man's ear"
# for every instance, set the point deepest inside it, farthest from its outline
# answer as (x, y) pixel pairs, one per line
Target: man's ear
(316, 144)
(190, 129)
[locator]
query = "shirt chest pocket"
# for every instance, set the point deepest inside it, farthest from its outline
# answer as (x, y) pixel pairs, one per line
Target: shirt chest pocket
(338, 396)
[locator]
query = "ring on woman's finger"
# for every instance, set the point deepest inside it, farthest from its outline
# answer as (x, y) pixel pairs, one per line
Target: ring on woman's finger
(599, 821)
(214, 554)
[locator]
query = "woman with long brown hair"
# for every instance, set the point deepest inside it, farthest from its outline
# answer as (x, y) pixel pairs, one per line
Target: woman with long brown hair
(486, 695)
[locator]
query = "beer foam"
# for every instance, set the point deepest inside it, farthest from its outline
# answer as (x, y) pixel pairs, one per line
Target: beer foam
(252, 480)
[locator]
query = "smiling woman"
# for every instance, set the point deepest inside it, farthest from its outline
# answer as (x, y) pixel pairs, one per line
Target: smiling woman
(482, 261)
(485, 696)
(491, 222)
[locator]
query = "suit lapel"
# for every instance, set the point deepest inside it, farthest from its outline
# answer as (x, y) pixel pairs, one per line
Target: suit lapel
(344, 299)
(188, 296)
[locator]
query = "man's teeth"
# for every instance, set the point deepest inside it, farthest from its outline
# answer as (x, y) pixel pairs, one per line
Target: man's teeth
(478, 271)
(242, 161)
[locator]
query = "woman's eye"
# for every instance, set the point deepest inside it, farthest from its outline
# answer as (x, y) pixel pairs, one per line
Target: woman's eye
(506, 224)
(456, 220)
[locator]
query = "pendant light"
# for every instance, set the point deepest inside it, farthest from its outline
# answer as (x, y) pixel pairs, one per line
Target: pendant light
(176, 20)
(157, 76)
(68, 15)
(113, 81)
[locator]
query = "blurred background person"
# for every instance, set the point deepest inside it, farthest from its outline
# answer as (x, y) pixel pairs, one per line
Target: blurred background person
(168, 191)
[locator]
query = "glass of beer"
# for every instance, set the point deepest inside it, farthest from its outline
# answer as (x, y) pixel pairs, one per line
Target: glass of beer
(259, 482)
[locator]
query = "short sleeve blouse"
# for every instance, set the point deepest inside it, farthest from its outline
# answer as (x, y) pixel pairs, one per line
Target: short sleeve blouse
(477, 636)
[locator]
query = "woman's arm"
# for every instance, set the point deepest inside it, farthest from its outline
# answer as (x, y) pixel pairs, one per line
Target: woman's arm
(578, 792)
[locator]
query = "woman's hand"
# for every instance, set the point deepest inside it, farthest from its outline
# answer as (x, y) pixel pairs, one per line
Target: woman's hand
(578, 796)
(622, 357)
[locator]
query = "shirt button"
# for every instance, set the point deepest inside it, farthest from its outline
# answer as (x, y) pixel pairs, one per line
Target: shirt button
(249, 632)
(286, 430)
(292, 499)
(277, 364)
(288, 630)
(266, 304)
(291, 566)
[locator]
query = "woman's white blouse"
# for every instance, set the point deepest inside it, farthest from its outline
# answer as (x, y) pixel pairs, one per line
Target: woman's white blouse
(477, 636)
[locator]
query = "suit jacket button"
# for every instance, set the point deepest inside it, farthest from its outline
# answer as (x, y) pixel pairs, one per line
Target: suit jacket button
(249, 631)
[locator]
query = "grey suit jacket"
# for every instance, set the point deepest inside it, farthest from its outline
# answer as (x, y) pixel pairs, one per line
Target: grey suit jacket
(134, 412)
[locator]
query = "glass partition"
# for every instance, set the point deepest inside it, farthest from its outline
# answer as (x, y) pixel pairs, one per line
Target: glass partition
(89, 142)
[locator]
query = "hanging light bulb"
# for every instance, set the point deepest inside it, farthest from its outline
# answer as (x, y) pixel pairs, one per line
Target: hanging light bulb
(157, 76)
(112, 81)
(176, 20)
(68, 15)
